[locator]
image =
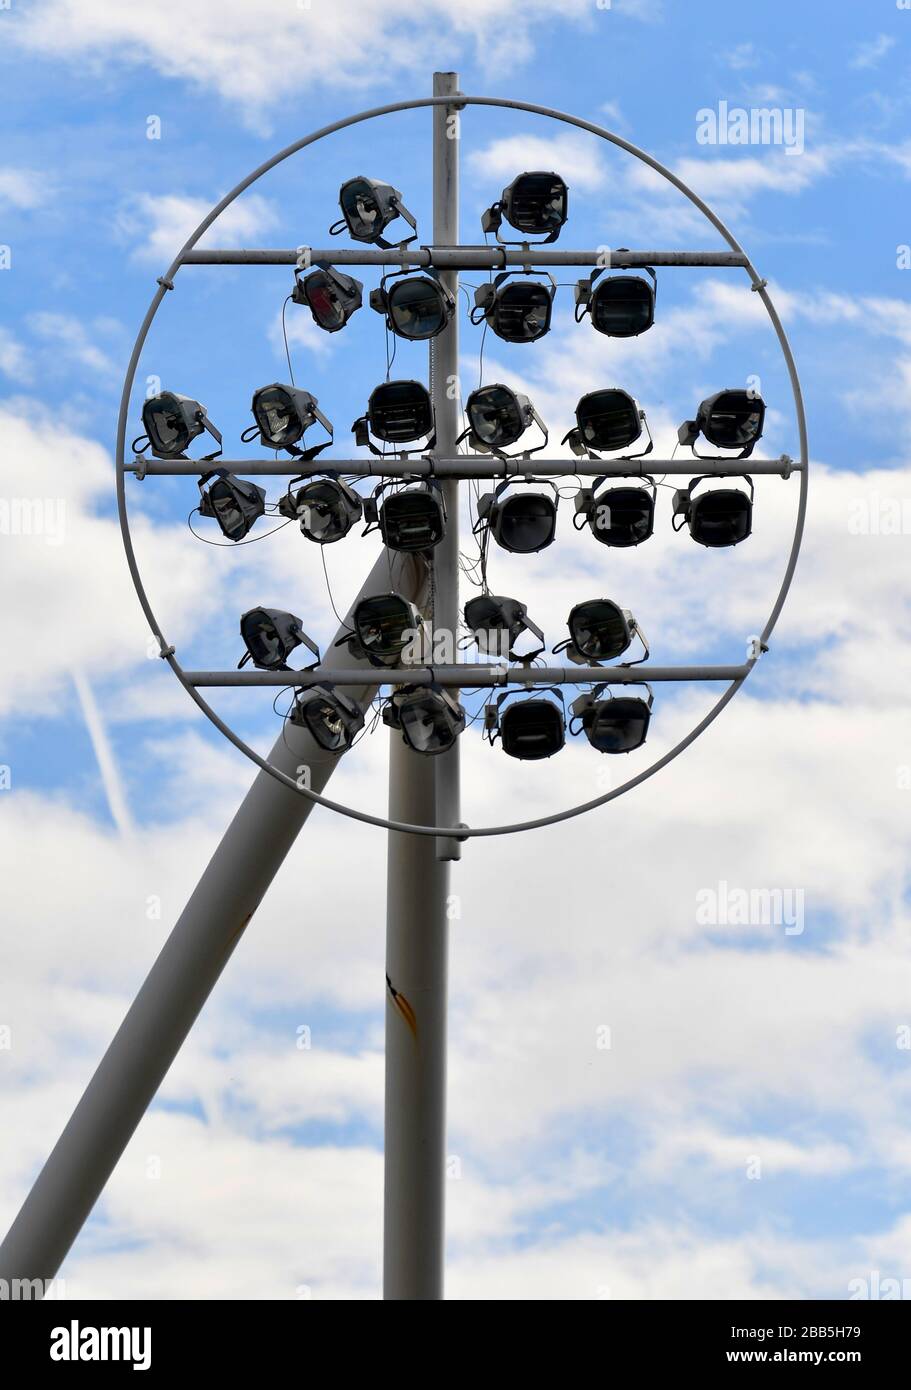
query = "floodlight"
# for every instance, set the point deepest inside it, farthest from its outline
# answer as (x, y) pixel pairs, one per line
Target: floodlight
(523, 523)
(497, 624)
(410, 518)
(330, 715)
(398, 412)
(327, 508)
(729, 420)
(606, 421)
(270, 636)
(534, 202)
(368, 207)
(171, 422)
(618, 724)
(417, 308)
(622, 306)
(600, 630)
(722, 517)
(235, 503)
(498, 417)
(331, 296)
(383, 627)
(617, 516)
(428, 718)
(283, 414)
(531, 727)
(518, 311)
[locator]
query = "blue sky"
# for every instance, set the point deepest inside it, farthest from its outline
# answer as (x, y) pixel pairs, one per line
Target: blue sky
(582, 1169)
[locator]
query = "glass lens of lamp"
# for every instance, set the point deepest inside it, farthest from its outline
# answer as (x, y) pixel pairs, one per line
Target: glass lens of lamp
(623, 516)
(426, 725)
(383, 625)
(526, 522)
(400, 411)
(734, 420)
(494, 416)
(166, 425)
(721, 518)
(623, 307)
(227, 512)
(532, 729)
(521, 313)
(417, 308)
(536, 203)
(276, 417)
(618, 725)
(361, 210)
(324, 516)
(608, 420)
(412, 521)
(323, 301)
(325, 724)
(599, 630)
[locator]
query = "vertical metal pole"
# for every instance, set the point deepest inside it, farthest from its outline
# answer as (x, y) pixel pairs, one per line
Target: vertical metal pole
(179, 983)
(424, 790)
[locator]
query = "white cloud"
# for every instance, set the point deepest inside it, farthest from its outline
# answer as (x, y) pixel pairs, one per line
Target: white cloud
(24, 189)
(158, 226)
(576, 157)
(871, 52)
(69, 340)
(14, 358)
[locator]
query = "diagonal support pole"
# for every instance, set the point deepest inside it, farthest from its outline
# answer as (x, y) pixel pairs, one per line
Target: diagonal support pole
(182, 978)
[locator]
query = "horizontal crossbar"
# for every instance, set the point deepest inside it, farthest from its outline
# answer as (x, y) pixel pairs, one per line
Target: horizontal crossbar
(461, 257)
(467, 675)
(470, 466)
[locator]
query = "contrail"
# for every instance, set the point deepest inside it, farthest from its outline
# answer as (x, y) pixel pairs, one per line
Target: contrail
(107, 766)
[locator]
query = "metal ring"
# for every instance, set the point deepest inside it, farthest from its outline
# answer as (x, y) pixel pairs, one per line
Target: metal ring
(757, 284)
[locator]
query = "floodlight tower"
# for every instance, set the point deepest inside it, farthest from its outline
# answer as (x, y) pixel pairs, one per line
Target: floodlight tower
(424, 825)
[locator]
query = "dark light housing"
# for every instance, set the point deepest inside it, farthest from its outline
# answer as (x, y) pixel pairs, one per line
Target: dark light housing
(327, 508)
(283, 414)
(331, 296)
(410, 518)
(719, 518)
(330, 715)
(618, 516)
(535, 203)
(428, 718)
(518, 311)
(618, 724)
(398, 412)
(523, 523)
(622, 306)
(498, 623)
(233, 502)
(270, 636)
(383, 627)
(416, 308)
(730, 420)
(368, 206)
(599, 630)
(606, 421)
(498, 417)
(530, 727)
(171, 423)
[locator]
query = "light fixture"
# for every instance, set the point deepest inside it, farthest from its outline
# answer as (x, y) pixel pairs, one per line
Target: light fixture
(497, 623)
(428, 718)
(534, 203)
(498, 417)
(530, 727)
(235, 503)
(327, 508)
(606, 421)
(618, 724)
(617, 516)
(523, 523)
(410, 518)
(398, 412)
(171, 423)
(518, 311)
(383, 626)
(600, 630)
(416, 308)
(330, 715)
(368, 207)
(622, 306)
(270, 636)
(729, 420)
(721, 517)
(331, 296)
(283, 414)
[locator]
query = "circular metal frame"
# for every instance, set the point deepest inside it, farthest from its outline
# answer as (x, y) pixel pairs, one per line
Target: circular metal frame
(166, 283)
